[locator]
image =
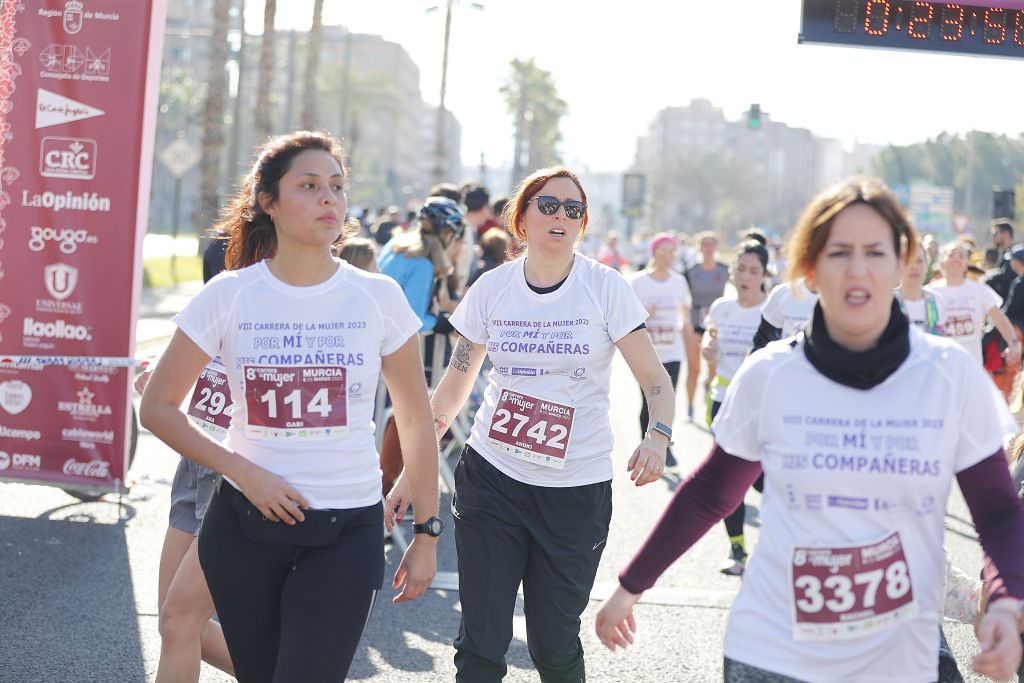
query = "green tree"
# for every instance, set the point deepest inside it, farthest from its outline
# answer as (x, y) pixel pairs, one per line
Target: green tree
(213, 119)
(533, 101)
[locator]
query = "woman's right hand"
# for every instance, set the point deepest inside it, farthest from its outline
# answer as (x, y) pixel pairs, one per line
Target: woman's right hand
(278, 501)
(615, 624)
(397, 503)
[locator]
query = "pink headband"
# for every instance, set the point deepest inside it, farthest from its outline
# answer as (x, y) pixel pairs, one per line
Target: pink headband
(663, 238)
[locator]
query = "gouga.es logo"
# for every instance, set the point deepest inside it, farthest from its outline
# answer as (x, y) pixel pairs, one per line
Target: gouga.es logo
(71, 158)
(67, 238)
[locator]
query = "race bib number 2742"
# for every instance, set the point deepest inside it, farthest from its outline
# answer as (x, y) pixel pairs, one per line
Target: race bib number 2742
(531, 429)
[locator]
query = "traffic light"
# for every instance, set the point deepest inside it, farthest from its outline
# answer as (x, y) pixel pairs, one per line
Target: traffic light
(1003, 203)
(754, 117)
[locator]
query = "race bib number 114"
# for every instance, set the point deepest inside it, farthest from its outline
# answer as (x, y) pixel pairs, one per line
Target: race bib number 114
(295, 402)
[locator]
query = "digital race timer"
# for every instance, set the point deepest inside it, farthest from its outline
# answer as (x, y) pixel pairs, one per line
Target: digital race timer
(909, 25)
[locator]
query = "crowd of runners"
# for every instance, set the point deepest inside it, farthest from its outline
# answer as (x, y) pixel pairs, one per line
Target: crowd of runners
(849, 378)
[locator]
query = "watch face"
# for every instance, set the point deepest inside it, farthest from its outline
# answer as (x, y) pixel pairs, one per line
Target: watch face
(435, 527)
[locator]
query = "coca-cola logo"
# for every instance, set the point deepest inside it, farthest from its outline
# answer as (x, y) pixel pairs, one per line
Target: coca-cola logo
(97, 469)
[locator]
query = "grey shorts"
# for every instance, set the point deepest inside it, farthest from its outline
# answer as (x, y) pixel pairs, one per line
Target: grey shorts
(191, 491)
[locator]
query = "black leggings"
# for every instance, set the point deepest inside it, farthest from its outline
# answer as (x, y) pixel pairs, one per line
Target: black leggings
(672, 368)
(291, 612)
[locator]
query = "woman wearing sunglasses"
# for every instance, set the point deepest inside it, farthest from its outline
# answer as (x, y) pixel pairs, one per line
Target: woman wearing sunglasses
(533, 499)
(847, 580)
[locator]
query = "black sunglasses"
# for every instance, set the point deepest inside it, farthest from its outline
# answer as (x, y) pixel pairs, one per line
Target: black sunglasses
(549, 207)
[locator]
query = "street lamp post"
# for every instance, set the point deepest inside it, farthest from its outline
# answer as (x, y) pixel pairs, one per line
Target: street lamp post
(439, 133)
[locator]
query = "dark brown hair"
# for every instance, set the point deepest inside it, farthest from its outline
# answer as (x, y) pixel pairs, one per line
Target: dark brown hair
(515, 211)
(494, 245)
(247, 227)
(815, 225)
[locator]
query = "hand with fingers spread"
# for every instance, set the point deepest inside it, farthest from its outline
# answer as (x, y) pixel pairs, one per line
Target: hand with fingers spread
(615, 624)
(999, 636)
(278, 501)
(417, 569)
(648, 461)
(397, 503)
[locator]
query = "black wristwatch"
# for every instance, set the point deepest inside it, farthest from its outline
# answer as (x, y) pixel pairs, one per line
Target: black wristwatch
(431, 527)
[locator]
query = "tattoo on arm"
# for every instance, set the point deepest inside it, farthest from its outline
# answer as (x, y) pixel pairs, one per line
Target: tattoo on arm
(460, 356)
(654, 390)
(440, 425)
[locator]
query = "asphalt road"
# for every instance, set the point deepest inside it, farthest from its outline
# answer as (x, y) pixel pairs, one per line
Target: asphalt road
(78, 583)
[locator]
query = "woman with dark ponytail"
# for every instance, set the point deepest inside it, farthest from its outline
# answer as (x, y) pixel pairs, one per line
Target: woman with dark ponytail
(291, 544)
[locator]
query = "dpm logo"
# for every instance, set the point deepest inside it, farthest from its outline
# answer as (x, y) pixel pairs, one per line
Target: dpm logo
(23, 462)
(72, 158)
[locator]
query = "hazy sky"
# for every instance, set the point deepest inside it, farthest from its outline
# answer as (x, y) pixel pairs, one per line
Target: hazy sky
(617, 64)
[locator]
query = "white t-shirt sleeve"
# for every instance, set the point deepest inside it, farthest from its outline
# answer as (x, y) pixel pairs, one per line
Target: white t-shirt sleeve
(685, 299)
(469, 318)
(623, 308)
(772, 312)
(203, 319)
(737, 427)
(985, 420)
(400, 321)
(989, 298)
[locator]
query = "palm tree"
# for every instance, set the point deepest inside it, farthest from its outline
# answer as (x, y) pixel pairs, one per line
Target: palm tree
(533, 100)
(265, 79)
(213, 118)
(309, 116)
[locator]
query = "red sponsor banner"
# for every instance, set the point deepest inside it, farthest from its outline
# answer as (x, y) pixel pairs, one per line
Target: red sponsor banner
(78, 93)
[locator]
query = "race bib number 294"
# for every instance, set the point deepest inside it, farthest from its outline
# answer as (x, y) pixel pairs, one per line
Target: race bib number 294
(295, 402)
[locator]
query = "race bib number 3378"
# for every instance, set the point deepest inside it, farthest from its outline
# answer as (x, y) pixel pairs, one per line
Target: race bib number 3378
(295, 402)
(849, 592)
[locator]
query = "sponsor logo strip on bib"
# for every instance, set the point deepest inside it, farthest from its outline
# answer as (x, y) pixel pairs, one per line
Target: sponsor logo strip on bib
(295, 402)
(531, 428)
(850, 592)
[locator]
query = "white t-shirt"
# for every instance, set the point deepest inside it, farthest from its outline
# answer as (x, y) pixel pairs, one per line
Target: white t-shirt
(789, 309)
(736, 327)
(845, 467)
(918, 314)
(547, 393)
(665, 325)
(303, 365)
(964, 308)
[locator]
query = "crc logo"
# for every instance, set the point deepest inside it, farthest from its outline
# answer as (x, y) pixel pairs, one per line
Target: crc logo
(68, 238)
(15, 396)
(71, 158)
(60, 279)
(73, 16)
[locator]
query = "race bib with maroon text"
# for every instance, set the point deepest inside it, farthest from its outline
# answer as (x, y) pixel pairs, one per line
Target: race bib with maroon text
(662, 336)
(295, 402)
(850, 592)
(959, 326)
(531, 428)
(210, 405)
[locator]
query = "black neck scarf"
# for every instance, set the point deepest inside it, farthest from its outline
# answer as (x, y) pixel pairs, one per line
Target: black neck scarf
(858, 369)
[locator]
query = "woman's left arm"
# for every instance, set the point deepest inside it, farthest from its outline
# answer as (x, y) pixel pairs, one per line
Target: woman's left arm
(991, 497)
(403, 374)
(1005, 328)
(648, 460)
